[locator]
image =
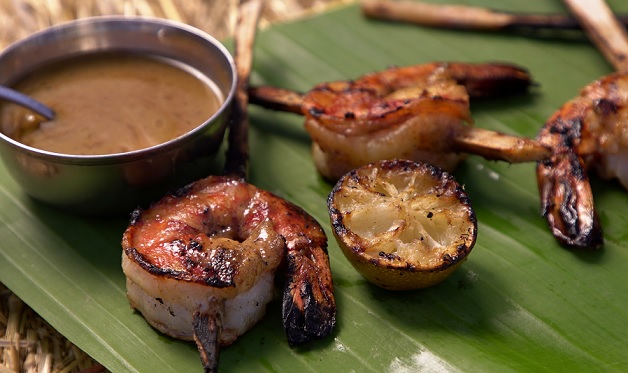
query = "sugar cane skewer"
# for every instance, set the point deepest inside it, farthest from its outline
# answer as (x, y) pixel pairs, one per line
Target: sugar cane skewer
(603, 29)
(465, 17)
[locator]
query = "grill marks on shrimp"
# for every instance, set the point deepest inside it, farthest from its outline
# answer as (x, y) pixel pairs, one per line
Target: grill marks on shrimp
(217, 247)
(213, 268)
(587, 133)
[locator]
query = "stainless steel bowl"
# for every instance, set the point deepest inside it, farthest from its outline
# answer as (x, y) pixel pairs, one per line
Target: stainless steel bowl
(117, 183)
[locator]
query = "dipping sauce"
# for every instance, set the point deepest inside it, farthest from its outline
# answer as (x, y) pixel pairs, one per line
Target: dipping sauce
(111, 103)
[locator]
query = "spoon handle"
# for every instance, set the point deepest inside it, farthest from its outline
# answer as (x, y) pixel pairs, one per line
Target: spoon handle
(21, 99)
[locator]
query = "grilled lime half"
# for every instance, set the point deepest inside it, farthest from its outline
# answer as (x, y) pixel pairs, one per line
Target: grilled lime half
(403, 225)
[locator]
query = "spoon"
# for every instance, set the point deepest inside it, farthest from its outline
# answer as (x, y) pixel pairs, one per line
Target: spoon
(21, 99)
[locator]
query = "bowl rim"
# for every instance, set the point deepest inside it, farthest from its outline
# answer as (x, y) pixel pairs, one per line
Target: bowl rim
(130, 156)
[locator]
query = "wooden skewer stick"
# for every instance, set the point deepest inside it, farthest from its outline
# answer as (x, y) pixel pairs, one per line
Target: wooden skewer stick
(604, 30)
(465, 17)
(207, 325)
(279, 99)
(238, 153)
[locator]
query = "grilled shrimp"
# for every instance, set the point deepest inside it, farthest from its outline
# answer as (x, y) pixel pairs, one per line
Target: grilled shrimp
(201, 263)
(590, 132)
(213, 248)
(418, 112)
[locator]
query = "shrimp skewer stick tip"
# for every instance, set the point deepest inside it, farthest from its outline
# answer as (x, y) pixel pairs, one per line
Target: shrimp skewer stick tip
(278, 99)
(206, 336)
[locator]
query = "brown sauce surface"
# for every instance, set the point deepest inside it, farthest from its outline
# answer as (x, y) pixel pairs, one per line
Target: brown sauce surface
(110, 103)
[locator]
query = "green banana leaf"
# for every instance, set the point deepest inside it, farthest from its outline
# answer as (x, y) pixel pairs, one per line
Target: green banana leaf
(520, 302)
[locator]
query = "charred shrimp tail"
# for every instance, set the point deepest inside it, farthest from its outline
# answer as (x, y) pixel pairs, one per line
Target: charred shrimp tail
(481, 80)
(567, 201)
(308, 306)
(496, 80)
(563, 181)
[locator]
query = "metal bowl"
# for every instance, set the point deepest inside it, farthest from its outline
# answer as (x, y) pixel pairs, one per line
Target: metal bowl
(117, 183)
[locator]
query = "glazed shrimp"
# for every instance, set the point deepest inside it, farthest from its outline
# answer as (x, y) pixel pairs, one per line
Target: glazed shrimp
(201, 263)
(418, 112)
(213, 248)
(588, 132)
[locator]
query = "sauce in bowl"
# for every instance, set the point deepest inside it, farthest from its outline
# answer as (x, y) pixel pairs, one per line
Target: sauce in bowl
(110, 103)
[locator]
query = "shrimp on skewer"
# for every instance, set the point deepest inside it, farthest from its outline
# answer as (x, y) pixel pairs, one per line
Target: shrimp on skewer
(200, 263)
(587, 133)
(418, 112)
(213, 247)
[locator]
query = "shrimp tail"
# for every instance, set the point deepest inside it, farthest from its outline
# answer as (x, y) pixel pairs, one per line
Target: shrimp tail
(563, 182)
(494, 79)
(567, 201)
(206, 337)
(308, 306)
